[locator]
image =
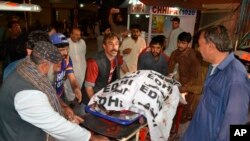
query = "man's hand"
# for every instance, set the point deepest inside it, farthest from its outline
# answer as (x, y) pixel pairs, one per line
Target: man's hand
(183, 98)
(126, 51)
(69, 114)
(78, 96)
(76, 119)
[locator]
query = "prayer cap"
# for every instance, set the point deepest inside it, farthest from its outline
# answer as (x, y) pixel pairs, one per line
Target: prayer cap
(46, 50)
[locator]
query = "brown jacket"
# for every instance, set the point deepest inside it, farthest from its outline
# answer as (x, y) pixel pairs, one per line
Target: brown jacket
(188, 67)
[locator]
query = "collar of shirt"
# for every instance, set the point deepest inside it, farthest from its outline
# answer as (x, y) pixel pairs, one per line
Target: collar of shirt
(226, 61)
(215, 67)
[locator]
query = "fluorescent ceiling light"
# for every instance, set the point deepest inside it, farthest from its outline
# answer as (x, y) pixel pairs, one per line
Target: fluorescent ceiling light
(11, 6)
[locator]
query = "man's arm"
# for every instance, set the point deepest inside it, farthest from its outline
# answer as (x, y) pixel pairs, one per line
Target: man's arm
(124, 67)
(172, 62)
(111, 12)
(122, 63)
(75, 86)
(69, 114)
(126, 51)
(236, 111)
(72, 79)
(140, 63)
(91, 76)
(89, 91)
(33, 106)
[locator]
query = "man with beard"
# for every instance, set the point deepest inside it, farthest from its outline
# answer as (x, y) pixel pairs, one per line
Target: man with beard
(33, 37)
(131, 47)
(102, 69)
(188, 71)
(66, 71)
(186, 59)
(29, 107)
(154, 59)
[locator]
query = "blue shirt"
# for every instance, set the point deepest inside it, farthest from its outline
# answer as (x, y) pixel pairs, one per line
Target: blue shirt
(66, 68)
(146, 61)
(12, 66)
(225, 101)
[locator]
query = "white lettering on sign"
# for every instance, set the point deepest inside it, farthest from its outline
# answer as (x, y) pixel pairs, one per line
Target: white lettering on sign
(155, 95)
(173, 11)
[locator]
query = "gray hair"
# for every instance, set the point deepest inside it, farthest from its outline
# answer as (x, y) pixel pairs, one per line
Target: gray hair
(219, 36)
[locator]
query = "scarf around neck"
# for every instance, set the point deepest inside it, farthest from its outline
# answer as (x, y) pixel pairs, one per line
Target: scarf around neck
(28, 70)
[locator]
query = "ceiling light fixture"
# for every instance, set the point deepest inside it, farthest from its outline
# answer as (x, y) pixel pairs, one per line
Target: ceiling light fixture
(81, 5)
(134, 2)
(11, 6)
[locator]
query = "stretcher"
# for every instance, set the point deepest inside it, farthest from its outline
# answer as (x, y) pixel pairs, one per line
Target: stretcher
(111, 127)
